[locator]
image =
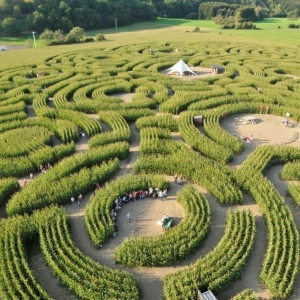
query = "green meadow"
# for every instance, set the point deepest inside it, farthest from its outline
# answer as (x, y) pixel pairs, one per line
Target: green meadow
(271, 29)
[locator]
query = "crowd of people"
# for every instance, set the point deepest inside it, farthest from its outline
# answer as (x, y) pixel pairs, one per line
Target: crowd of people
(133, 196)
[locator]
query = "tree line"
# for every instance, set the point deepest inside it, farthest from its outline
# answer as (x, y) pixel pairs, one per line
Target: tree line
(92, 14)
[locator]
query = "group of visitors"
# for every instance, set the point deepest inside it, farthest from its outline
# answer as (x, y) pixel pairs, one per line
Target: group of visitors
(178, 179)
(162, 194)
(140, 195)
(43, 169)
(78, 202)
(131, 197)
(287, 122)
(248, 139)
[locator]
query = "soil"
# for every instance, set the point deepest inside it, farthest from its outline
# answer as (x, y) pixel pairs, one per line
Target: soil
(144, 213)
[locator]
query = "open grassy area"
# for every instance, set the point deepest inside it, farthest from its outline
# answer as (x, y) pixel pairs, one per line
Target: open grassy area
(273, 30)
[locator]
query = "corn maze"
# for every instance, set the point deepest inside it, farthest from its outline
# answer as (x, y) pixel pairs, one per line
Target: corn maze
(42, 119)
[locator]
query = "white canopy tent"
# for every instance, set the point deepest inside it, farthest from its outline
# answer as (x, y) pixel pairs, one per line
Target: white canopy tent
(180, 68)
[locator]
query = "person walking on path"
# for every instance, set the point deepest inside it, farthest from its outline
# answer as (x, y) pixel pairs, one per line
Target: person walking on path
(160, 195)
(73, 201)
(165, 194)
(79, 200)
(128, 217)
(180, 179)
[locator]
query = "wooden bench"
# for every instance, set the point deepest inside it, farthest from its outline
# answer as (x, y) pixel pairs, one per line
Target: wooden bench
(168, 224)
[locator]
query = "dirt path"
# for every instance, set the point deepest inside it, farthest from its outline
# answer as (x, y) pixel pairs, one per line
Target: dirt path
(30, 112)
(146, 212)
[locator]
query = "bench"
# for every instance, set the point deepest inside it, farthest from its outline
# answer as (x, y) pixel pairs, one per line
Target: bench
(168, 224)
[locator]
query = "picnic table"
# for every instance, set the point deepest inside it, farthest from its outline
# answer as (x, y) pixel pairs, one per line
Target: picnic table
(249, 119)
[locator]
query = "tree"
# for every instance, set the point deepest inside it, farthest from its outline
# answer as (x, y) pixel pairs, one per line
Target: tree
(59, 36)
(245, 14)
(17, 13)
(35, 21)
(261, 12)
(64, 24)
(76, 34)
(11, 26)
(47, 35)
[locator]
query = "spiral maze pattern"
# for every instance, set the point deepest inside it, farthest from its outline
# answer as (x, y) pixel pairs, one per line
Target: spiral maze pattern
(44, 105)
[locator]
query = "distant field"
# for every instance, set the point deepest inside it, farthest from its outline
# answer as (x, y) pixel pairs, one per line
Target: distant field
(269, 30)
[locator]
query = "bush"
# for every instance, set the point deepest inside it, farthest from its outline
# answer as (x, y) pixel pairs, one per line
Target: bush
(29, 43)
(228, 26)
(197, 29)
(54, 43)
(99, 37)
(88, 39)
(191, 16)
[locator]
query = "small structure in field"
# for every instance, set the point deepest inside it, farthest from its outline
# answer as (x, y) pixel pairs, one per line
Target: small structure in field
(181, 68)
(3, 48)
(217, 69)
(40, 74)
(208, 295)
(198, 120)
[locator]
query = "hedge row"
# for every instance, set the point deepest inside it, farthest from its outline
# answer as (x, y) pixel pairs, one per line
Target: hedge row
(120, 129)
(86, 278)
(8, 186)
(70, 177)
(23, 165)
(17, 279)
(177, 242)
(280, 267)
(97, 214)
(161, 120)
(201, 142)
(219, 267)
(215, 177)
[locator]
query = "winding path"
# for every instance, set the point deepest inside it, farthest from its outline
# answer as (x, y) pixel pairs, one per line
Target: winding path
(145, 214)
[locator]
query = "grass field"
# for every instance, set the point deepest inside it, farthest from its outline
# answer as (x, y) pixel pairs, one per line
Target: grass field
(166, 30)
(267, 30)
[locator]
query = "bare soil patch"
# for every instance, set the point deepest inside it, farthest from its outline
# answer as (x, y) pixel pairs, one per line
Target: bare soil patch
(126, 97)
(292, 76)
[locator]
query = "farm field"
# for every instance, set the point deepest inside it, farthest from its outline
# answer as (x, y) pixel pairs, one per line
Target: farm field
(107, 113)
